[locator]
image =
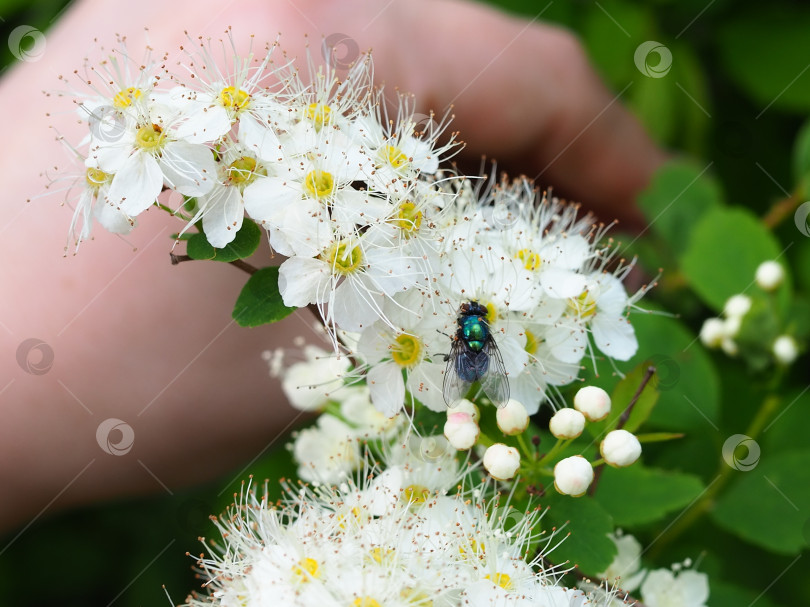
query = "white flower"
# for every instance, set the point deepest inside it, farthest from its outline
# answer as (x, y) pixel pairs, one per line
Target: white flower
(769, 275)
(620, 448)
(663, 588)
(785, 349)
(461, 430)
(567, 423)
(713, 332)
(501, 461)
(148, 154)
(512, 418)
(626, 564)
(573, 475)
(326, 452)
(593, 402)
(465, 406)
(310, 384)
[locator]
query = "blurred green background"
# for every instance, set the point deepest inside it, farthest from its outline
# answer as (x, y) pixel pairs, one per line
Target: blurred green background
(736, 96)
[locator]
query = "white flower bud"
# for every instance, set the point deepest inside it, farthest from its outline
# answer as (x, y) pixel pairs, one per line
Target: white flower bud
(620, 448)
(567, 423)
(501, 461)
(461, 431)
(769, 275)
(731, 326)
(730, 346)
(785, 349)
(465, 406)
(593, 402)
(512, 418)
(712, 332)
(573, 475)
(737, 306)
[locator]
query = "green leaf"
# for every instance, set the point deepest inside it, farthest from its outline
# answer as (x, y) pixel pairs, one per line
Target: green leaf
(723, 594)
(765, 50)
(260, 302)
(769, 505)
(723, 253)
(620, 398)
(243, 245)
(636, 495)
(686, 379)
(611, 36)
(801, 160)
(588, 545)
(680, 193)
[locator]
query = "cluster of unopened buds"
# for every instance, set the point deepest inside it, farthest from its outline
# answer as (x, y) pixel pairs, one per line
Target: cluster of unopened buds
(724, 332)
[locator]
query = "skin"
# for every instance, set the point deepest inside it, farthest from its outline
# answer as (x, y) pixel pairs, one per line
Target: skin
(138, 339)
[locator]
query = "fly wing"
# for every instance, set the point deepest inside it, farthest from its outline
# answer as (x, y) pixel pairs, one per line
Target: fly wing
(494, 381)
(454, 388)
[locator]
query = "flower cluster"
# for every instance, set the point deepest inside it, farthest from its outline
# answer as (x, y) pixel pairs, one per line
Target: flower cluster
(753, 324)
(397, 539)
(386, 243)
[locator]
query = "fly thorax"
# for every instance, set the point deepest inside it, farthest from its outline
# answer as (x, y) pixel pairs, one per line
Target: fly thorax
(474, 331)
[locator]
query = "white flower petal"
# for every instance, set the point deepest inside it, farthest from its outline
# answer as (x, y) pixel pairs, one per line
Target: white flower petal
(387, 388)
(137, 185)
(188, 168)
(223, 215)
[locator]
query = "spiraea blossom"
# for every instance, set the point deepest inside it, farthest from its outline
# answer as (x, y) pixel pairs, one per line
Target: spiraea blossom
(377, 542)
(384, 241)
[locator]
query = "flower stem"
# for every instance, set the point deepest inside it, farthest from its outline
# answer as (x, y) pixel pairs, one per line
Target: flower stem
(706, 501)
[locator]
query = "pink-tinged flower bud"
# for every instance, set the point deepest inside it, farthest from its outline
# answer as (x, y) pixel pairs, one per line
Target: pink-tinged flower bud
(465, 406)
(461, 431)
(573, 475)
(769, 275)
(501, 461)
(567, 423)
(512, 418)
(593, 402)
(620, 448)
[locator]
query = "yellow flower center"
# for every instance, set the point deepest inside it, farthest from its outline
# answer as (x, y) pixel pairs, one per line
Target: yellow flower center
(531, 342)
(342, 259)
(306, 569)
(407, 351)
(416, 597)
(393, 156)
(501, 579)
(234, 99)
(319, 183)
(531, 260)
(319, 114)
(492, 313)
(379, 554)
(124, 98)
(243, 172)
(96, 178)
(415, 494)
(354, 514)
(150, 137)
(475, 547)
(365, 601)
(409, 218)
(583, 305)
